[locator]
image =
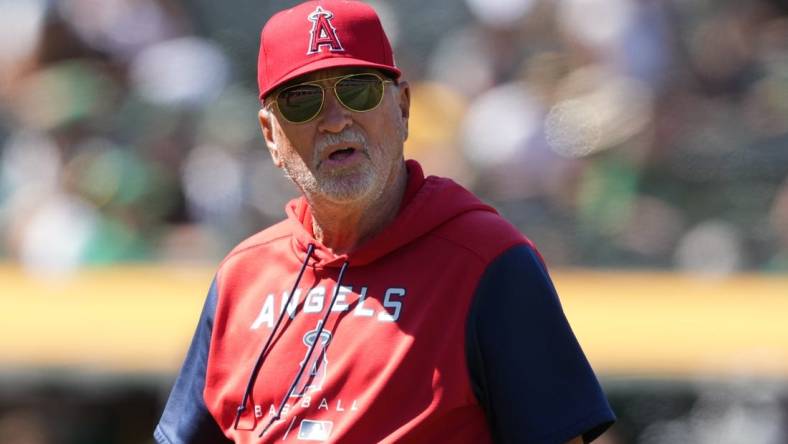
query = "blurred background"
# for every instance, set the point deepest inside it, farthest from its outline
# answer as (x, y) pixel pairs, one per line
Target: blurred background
(641, 144)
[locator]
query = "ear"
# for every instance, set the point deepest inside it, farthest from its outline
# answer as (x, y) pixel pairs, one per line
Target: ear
(404, 105)
(267, 126)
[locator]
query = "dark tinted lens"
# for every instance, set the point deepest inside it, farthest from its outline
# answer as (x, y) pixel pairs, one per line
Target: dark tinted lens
(360, 92)
(300, 103)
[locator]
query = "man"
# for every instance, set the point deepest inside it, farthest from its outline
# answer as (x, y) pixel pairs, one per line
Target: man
(387, 307)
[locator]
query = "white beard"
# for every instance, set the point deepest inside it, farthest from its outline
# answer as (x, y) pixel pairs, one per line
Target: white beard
(337, 186)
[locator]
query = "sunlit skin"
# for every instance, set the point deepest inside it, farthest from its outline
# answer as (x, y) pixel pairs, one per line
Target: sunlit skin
(354, 199)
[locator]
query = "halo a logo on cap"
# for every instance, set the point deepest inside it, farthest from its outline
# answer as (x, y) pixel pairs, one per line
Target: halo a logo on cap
(323, 32)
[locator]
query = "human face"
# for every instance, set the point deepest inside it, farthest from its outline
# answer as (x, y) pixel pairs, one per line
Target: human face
(341, 156)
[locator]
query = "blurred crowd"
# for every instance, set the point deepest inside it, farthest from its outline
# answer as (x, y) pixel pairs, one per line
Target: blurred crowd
(614, 133)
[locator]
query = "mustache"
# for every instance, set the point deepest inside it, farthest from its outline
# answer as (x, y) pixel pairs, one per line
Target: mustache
(348, 136)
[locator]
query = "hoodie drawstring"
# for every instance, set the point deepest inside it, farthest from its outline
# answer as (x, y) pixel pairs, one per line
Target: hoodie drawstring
(242, 407)
(300, 372)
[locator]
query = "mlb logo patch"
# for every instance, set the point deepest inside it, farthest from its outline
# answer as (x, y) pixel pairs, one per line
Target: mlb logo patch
(314, 430)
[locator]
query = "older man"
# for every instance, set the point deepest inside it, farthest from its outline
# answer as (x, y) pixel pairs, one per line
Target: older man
(387, 307)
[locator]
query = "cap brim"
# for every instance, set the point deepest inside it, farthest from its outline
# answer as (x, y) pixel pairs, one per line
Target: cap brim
(333, 62)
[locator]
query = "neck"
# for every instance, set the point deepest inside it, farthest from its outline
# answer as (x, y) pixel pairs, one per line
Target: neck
(342, 227)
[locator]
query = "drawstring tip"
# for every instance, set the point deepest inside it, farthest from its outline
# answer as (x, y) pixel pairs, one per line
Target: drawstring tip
(238, 412)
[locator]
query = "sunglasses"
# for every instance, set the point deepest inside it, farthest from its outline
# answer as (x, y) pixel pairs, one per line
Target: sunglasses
(357, 92)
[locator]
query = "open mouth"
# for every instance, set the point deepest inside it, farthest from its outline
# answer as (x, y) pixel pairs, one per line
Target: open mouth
(342, 154)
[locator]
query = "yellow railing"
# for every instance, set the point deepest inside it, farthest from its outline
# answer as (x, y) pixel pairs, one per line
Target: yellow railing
(140, 319)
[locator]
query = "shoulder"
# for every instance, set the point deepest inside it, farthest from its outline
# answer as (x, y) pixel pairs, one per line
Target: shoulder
(466, 221)
(483, 233)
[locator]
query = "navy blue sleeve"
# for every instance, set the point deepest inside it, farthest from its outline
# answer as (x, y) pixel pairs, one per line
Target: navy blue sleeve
(528, 370)
(185, 418)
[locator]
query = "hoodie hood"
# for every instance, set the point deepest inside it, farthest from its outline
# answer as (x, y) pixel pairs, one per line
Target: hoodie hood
(427, 204)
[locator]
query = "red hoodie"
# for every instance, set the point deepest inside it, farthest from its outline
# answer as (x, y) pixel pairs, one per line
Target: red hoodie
(390, 364)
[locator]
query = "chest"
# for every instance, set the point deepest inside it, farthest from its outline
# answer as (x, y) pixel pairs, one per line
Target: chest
(380, 347)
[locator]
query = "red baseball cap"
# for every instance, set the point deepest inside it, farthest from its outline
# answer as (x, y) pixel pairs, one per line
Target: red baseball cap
(321, 34)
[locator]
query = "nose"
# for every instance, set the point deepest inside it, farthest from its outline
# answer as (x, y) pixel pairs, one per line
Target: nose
(334, 117)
